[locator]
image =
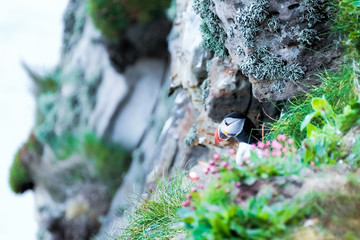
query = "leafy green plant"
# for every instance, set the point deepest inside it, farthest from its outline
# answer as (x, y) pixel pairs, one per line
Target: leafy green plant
(112, 17)
(323, 145)
(258, 219)
(156, 217)
(19, 179)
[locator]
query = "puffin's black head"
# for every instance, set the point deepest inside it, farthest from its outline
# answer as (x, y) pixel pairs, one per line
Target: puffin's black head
(237, 125)
(235, 115)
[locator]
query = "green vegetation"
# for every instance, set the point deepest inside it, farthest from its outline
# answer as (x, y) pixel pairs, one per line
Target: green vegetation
(110, 160)
(257, 220)
(324, 145)
(338, 89)
(213, 34)
(156, 217)
(19, 178)
(248, 200)
(45, 83)
(61, 123)
(347, 22)
(112, 17)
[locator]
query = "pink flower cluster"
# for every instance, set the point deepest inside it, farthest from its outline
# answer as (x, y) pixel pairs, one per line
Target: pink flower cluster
(213, 166)
(279, 147)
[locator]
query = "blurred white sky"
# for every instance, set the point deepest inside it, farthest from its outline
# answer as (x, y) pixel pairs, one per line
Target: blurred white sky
(30, 31)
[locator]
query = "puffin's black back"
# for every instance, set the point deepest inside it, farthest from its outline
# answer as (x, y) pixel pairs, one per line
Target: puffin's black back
(249, 134)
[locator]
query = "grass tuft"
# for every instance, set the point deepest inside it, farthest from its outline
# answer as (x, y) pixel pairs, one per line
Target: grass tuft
(156, 217)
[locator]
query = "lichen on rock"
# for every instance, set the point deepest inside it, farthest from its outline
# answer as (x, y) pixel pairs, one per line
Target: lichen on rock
(213, 34)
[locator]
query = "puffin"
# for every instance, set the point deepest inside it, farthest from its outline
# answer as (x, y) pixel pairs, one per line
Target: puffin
(239, 126)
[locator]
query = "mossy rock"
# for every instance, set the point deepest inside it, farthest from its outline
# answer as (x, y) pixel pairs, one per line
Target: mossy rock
(110, 160)
(19, 179)
(112, 17)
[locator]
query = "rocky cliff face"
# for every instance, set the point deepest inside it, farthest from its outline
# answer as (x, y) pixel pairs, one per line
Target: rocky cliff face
(121, 94)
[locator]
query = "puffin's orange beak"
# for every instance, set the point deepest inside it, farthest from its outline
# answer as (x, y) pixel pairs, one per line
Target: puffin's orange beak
(216, 136)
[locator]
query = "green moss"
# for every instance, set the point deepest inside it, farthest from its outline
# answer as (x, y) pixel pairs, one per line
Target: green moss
(19, 178)
(110, 160)
(213, 34)
(112, 17)
(263, 65)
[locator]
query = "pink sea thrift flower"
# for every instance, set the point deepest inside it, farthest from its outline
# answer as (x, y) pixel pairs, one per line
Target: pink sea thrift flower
(193, 176)
(193, 189)
(230, 167)
(261, 145)
(192, 208)
(281, 137)
(224, 164)
(206, 170)
(268, 143)
(188, 196)
(291, 141)
(312, 163)
(232, 151)
(214, 170)
(201, 186)
(186, 203)
(265, 153)
(216, 156)
(276, 145)
(237, 184)
(227, 191)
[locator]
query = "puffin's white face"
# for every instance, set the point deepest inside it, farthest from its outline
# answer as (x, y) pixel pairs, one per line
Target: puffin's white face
(229, 127)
